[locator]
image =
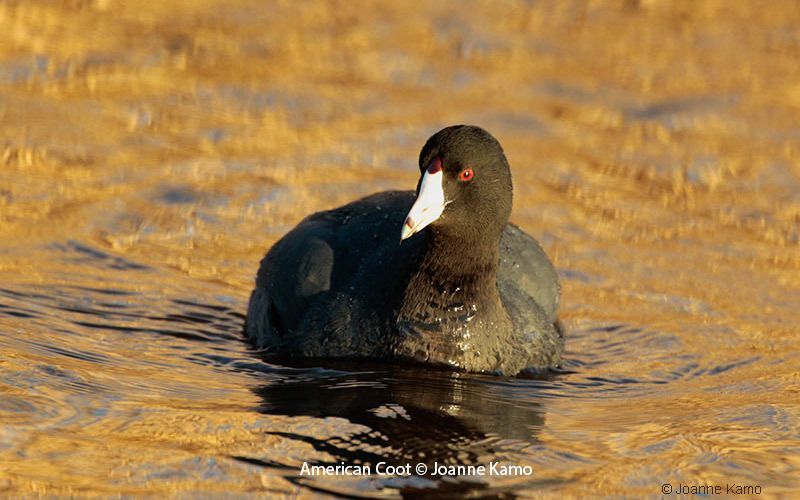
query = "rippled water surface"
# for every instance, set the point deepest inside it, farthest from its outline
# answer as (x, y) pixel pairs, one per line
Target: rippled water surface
(150, 154)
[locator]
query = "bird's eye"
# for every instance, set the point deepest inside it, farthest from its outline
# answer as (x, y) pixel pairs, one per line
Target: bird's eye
(466, 175)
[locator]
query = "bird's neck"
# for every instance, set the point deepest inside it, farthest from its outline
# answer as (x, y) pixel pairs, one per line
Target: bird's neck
(456, 273)
(451, 311)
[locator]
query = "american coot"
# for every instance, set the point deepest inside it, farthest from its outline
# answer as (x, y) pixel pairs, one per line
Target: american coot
(437, 276)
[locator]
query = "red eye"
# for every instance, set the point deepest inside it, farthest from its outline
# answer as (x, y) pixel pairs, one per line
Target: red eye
(466, 175)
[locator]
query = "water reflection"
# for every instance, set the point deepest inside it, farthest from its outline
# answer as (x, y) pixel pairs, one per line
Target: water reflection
(409, 414)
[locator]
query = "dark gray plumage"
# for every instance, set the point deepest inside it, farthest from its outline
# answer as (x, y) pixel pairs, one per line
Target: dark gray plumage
(468, 290)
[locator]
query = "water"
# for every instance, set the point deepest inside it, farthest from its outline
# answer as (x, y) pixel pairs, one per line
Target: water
(151, 154)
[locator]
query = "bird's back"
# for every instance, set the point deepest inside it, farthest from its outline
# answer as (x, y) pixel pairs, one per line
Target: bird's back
(319, 259)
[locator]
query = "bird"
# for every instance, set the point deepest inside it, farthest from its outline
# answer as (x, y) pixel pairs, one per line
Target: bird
(437, 276)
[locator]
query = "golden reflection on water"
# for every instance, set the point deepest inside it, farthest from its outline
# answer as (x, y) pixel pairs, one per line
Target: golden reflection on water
(655, 151)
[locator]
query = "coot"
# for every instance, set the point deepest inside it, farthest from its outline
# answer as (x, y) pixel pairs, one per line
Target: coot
(437, 276)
